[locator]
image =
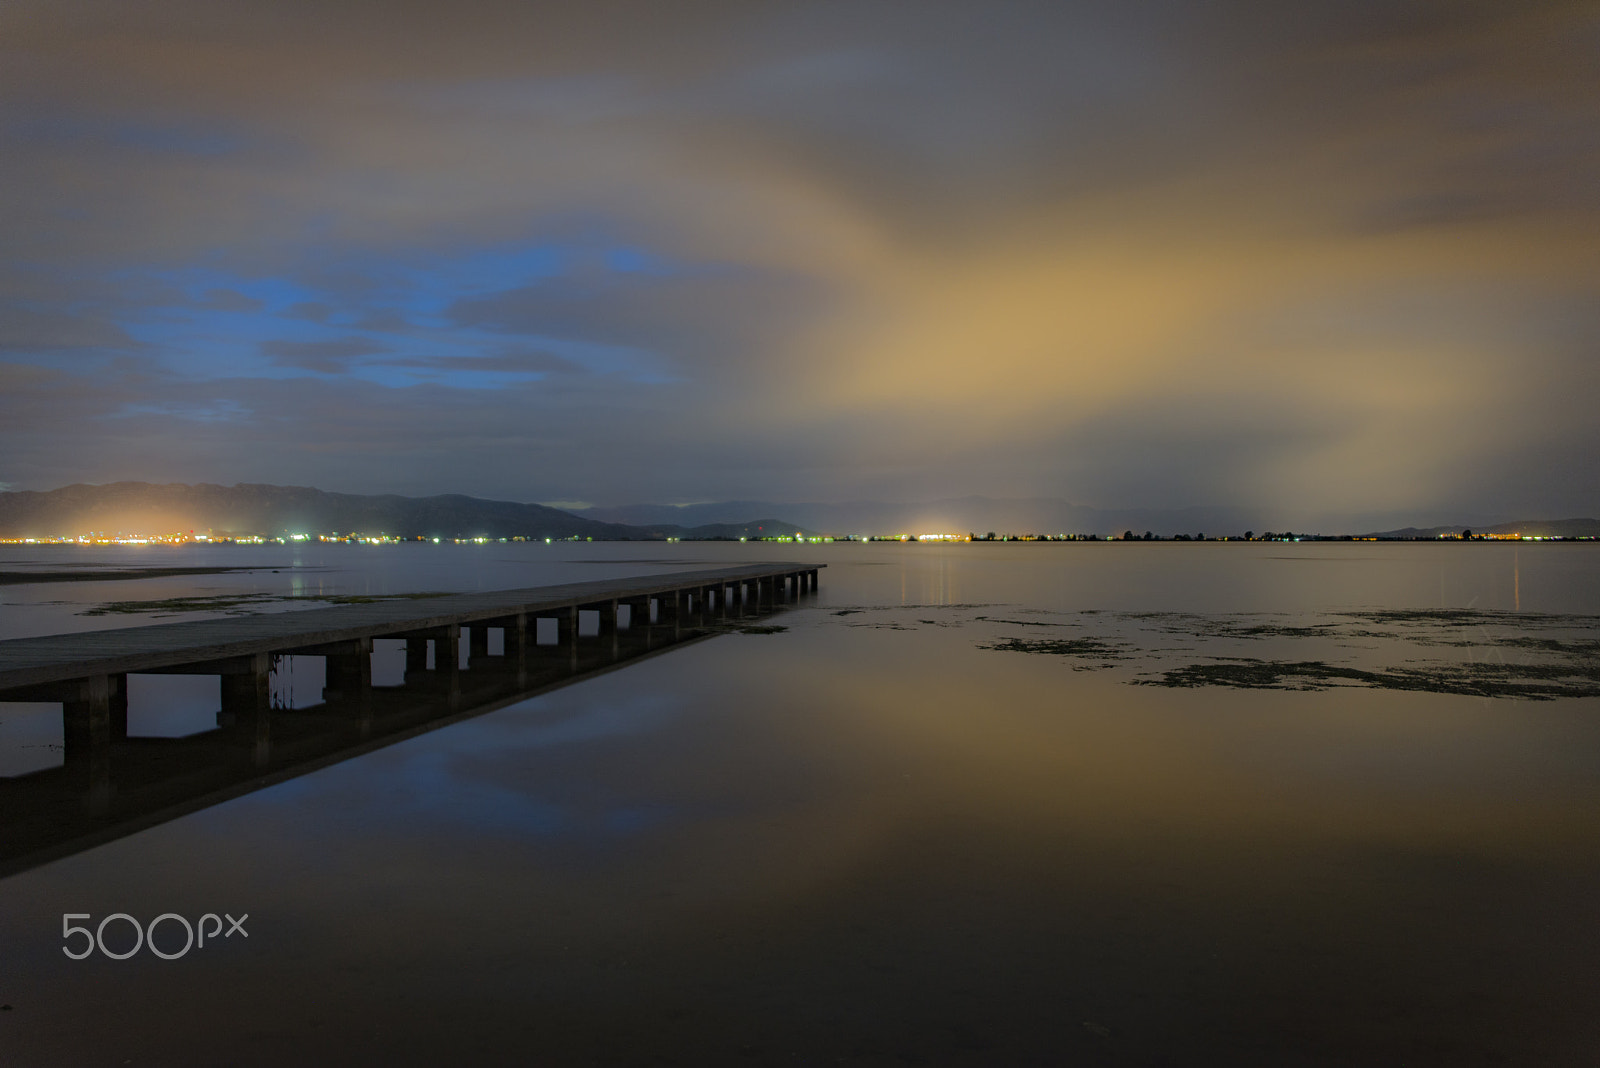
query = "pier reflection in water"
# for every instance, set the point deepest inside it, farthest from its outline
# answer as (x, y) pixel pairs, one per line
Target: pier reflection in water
(281, 717)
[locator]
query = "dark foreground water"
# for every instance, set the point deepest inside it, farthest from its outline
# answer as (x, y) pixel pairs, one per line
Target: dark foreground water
(976, 804)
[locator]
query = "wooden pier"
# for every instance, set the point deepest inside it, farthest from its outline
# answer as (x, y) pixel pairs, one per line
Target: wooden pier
(222, 646)
(110, 784)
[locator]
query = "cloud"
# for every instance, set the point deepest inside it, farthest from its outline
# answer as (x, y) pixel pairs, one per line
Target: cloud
(25, 330)
(332, 356)
(313, 311)
(384, 320)
(229, 300)
(707, 321)
(1336, 255)
(517, 361)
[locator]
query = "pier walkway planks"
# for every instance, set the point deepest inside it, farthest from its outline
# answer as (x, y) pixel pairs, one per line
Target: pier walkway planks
(28, 662)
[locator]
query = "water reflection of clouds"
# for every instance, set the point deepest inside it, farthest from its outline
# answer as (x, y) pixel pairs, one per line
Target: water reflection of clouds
(476, 775)
(888, 821)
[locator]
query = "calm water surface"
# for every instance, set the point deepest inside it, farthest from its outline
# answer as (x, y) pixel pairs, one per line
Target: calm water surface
(977, 804)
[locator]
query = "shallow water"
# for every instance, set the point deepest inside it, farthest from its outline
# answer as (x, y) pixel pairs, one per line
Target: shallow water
(907, 828)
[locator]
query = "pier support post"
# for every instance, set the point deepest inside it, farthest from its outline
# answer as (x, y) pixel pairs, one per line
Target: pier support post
(416, 657)
(86, 713)
(638, 622)
(245, 692)
(349, 672)
(117, 701)
(86, 722)
(609, 622)
(446, 673)
(477, 643)
(247, 704)
(572, 640)
(516, 645)
(447, 660)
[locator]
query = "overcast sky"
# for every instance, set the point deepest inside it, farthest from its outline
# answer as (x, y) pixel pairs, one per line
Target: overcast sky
(1338, 258)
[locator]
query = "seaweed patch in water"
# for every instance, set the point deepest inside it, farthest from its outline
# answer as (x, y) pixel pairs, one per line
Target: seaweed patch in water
(235, 603)
(1084, 647)
(1024, 622)
(1532, 682)
(1552, 645)
(730, 626)
(1231, 627)
(1268, 630)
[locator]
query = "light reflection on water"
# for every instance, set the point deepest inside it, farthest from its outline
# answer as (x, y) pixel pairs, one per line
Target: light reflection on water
(870, 839)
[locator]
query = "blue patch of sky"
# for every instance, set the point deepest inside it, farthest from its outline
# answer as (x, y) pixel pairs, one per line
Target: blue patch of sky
(410, 294)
